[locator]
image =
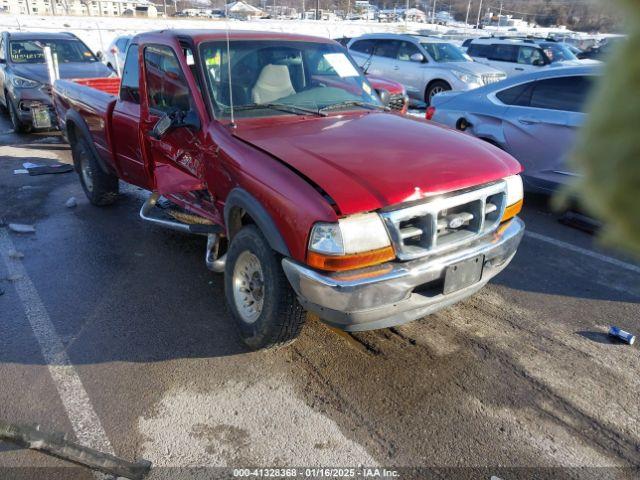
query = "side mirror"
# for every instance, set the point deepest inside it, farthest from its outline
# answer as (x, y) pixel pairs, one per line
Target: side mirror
(417, 57)
(177, 119)
(2, 61)
(100, 55)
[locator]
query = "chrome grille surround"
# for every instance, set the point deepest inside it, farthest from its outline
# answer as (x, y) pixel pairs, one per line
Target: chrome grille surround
(397, 101)
(489, 78)
(442, 223)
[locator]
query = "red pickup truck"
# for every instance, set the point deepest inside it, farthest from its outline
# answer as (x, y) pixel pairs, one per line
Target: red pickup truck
(312, 194)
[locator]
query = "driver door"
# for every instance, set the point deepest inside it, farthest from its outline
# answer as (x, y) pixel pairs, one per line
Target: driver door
(176, 158)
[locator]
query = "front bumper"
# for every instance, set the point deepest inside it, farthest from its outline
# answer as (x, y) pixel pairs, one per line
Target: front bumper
(398, 292)
(29, 98)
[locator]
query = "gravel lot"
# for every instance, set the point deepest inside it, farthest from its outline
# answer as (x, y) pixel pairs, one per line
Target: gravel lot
(113, 331)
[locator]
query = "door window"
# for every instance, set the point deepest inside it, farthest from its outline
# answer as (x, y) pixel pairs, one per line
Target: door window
(2, 56)
(130, 84)
(530, 56)
(387, 48)
(563, 93)
(364, 46)
(503, 53)
(405, 50)
(167, 89)
(520, 95)
(479, 50)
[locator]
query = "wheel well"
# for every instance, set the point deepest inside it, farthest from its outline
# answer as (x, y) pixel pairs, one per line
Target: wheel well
(71, 132)
(435, 80)
(238, 218)
(492, 142)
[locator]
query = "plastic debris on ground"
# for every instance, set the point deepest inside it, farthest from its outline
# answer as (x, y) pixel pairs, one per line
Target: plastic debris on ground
(622, 335)
(37, 169)
(20, 171)
(22, 228)
(71, 202)
(16, 255)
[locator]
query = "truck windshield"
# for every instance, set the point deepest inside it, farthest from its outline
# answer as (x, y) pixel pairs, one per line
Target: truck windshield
(68, 51)
(306, 75)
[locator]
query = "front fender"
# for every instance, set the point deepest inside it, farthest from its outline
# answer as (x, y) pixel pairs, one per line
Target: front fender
(238, 201)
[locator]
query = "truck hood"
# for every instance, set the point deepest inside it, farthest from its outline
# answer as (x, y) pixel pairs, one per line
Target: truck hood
(367, 161)
(38, 71)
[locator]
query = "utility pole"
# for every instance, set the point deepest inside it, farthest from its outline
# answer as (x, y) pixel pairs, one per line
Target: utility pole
(318, 10)
(433, 13)
(500, 14)
(479, 11)
(466, 19)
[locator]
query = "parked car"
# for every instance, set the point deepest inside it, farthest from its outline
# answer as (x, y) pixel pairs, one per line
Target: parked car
(534, 117)
(305, 186)
(426, 66)
(25, 88)
(516, 55)
(396, 97)
(113, 57)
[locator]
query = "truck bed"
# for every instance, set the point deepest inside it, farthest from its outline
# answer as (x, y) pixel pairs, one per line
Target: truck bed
(93, 99)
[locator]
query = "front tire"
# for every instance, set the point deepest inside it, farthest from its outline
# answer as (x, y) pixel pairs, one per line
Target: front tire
(18, 125)
(436, 87)
(101, 188)
(262, 302)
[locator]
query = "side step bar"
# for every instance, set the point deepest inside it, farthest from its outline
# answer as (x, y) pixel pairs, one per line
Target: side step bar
(199, 229)
(213, 232)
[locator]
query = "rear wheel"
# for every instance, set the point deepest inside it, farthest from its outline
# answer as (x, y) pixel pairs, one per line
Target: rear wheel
(263, 304)
(18, 125)
(101, 188)
(436, 87)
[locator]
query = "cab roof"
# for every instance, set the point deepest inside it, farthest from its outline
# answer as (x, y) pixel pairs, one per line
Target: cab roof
(201, 35)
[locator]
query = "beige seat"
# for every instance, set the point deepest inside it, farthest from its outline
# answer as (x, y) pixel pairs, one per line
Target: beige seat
(273, 83)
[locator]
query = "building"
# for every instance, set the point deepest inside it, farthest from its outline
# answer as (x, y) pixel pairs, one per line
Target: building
(96, 8)
(243, 11)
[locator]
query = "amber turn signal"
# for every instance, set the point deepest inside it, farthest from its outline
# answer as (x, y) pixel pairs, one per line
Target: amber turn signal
(511, 211)
(340, 263)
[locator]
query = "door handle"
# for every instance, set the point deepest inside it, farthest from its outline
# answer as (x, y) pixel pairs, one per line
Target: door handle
(520, 69)
(529, 120)
(396, 67)
(536, 121)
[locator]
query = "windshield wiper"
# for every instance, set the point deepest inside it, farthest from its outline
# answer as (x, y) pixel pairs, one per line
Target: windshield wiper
(283, 107)
(353, 103)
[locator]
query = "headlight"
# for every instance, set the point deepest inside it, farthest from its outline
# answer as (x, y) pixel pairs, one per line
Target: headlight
(467, 77)
(515, 195)
(354, 242)
(21, 82)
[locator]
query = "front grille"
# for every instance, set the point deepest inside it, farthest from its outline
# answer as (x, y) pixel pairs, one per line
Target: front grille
(397, 101)
(488, 78)
(445, 222)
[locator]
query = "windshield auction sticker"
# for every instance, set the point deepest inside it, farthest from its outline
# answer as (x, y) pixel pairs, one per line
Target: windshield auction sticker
(341, 64)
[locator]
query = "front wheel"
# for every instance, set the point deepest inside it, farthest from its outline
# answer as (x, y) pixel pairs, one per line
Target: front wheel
(262, 302)
(18, 125)
(436, 87)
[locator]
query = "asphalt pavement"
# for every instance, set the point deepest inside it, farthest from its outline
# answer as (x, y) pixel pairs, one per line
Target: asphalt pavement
(114, 332)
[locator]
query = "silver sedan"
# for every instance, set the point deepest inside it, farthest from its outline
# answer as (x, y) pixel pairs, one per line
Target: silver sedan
(534, 117)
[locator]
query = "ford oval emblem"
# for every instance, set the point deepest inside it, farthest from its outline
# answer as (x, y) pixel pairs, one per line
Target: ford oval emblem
(456, 222)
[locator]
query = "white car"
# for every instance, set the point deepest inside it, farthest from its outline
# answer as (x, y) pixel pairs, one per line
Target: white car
(115, 54)
(515, 55)
(425, 65)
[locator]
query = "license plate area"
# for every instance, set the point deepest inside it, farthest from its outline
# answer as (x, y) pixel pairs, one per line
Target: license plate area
(41, 117)
(463, 274)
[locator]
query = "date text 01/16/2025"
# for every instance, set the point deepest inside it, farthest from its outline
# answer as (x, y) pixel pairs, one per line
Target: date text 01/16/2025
(360, 472)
